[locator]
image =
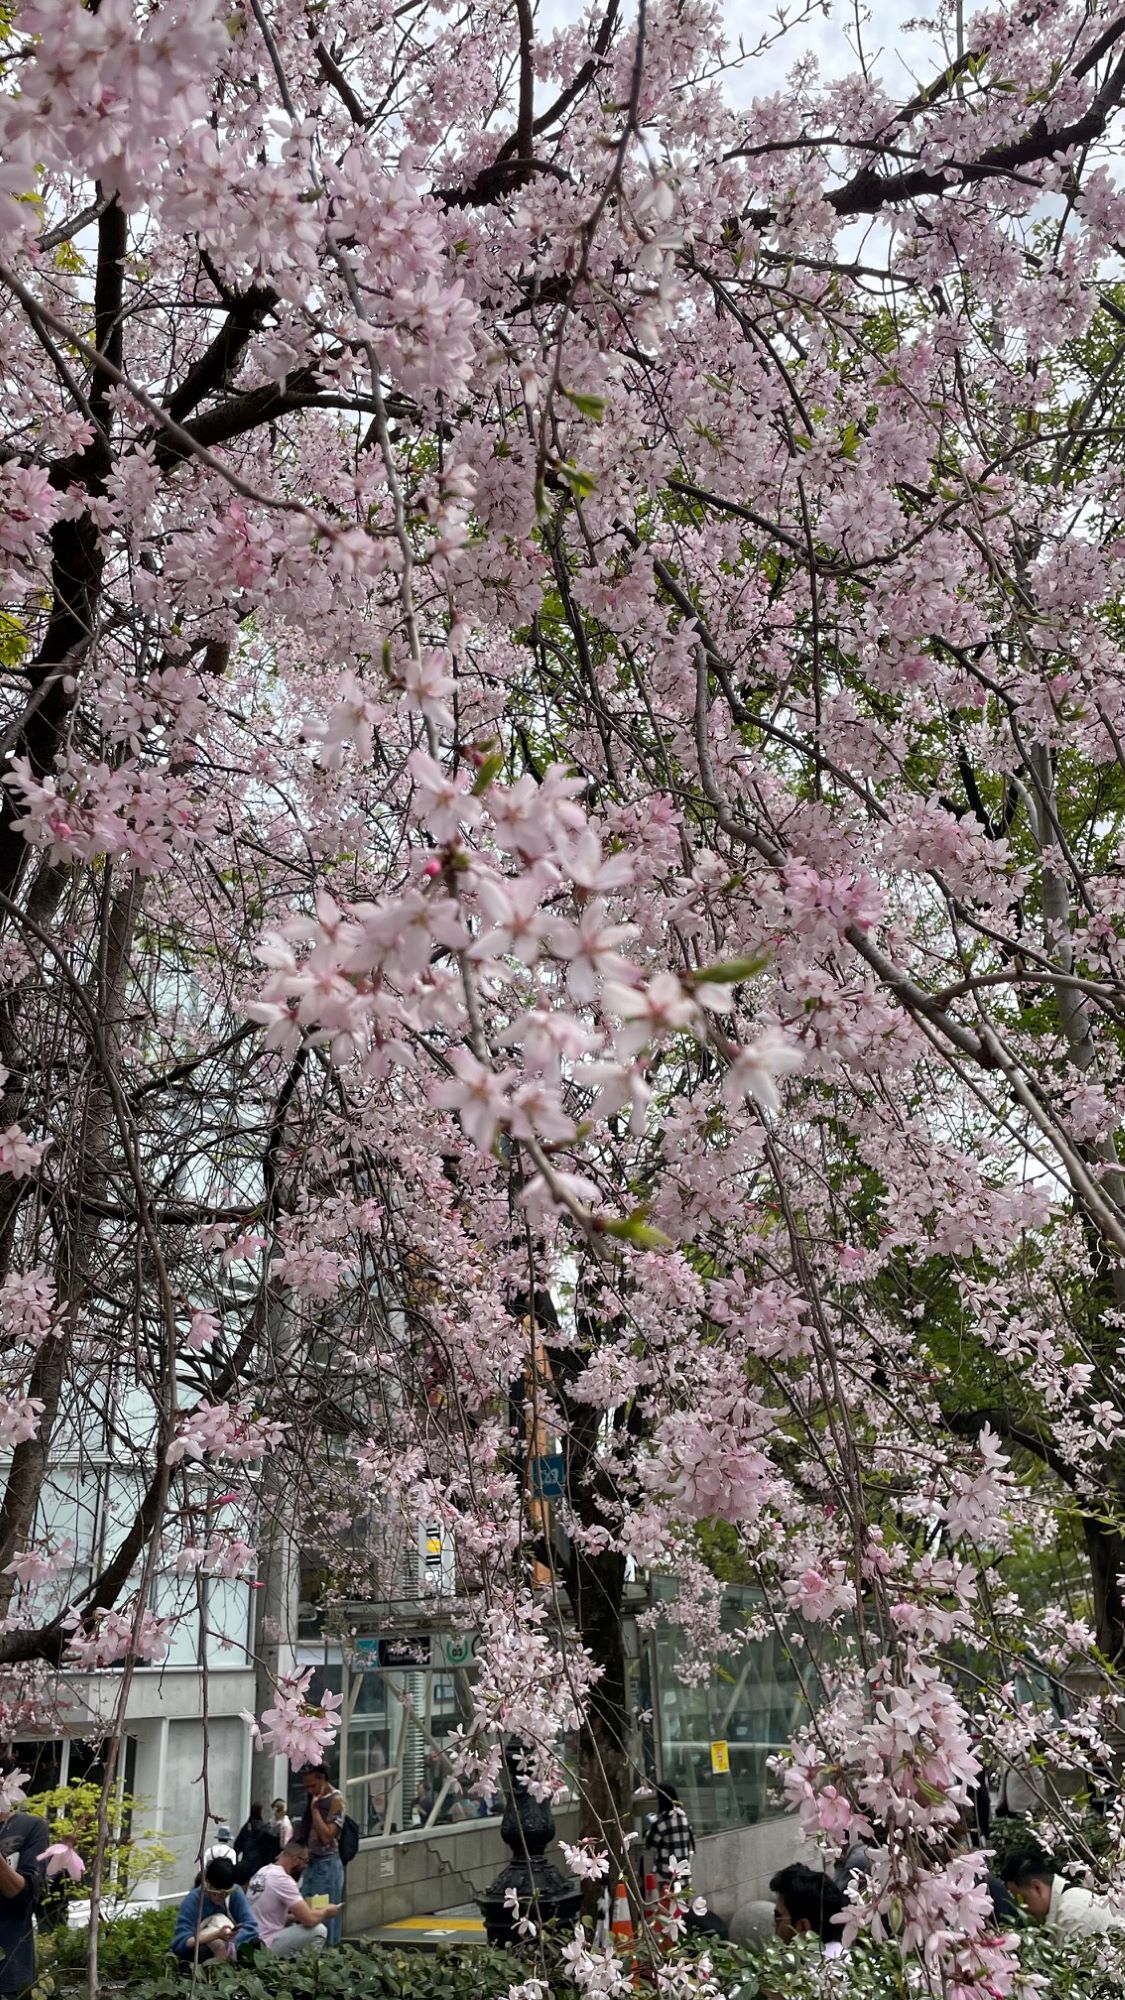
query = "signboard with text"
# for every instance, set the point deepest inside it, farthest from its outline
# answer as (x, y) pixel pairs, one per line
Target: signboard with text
(416, 1652)
(411, 1653)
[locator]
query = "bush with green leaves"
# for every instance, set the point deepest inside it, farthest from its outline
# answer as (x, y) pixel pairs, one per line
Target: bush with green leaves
(131, 1949)
(131, 1851)
(133, 1954)
(1068, 1968)
(356, 1972)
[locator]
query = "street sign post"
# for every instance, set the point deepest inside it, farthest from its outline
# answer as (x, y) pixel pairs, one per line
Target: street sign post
(548, 1476)
(456, 1649)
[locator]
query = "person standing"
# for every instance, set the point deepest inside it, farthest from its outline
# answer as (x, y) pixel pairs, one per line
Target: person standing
(285, 1921)
(671, 1843)
(222, 1848)
(319, 1831)
(24, 1838)
(255, 1843)
(281, 1823)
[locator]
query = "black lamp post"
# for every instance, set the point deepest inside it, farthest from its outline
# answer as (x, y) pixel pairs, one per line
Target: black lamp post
(543, 1892)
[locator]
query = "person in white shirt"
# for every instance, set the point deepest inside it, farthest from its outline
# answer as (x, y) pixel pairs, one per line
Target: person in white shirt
(1059, 1904)
(281, 1823)
(222, 1848)
(806, 1901)
(286, 1923)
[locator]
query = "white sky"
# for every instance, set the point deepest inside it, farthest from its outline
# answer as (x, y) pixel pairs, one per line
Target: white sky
(900, 57)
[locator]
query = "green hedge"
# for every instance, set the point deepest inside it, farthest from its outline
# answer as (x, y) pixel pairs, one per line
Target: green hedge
(130, 1949)
(133, 1955)
(133, 1950)
(1069, 1969)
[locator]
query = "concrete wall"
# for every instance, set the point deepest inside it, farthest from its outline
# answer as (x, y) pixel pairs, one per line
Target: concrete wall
(735, 1868)
(414, 1874)
(175, 1800)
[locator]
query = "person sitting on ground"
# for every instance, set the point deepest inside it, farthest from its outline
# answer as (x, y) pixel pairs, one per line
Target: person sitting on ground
(287, 1923)
(1057, 1903)
(807, 1902)
(214, 1920)
(255, 1843)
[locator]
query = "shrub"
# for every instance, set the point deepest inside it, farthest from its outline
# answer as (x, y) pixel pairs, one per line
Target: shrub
(358, 1972)
(133, 1950)
(71, 1812)
(130, 1950)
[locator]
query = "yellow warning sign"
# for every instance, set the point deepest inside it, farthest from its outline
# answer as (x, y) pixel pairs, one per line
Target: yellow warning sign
(720, 1757)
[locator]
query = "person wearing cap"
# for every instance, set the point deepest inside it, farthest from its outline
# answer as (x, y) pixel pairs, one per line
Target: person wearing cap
(222, 1848)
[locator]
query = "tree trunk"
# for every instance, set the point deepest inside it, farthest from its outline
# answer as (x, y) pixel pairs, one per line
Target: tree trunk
(604, 1770)
(77, 1241)
(1105, 1548)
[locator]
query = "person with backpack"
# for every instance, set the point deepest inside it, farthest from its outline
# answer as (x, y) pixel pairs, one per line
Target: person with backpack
(331, 1838)
(255, 1844)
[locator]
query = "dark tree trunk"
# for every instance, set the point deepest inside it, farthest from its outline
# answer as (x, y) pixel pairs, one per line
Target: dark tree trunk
(1105, 1548)
(77, 558)
(604, 1769)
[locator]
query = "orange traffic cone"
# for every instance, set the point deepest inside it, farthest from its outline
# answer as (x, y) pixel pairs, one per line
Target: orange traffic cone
(621, 1927)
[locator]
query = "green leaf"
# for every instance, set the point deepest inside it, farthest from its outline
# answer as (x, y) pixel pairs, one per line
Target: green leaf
(489, 769)
(586, 404)
(581, 484)
(637, 1230)
(728, 972)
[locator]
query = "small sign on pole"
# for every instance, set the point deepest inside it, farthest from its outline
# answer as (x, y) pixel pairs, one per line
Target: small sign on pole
(720, 1757)
(457, 1649)
(547, 1476)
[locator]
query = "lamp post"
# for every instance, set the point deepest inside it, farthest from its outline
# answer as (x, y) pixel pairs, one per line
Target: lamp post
(542, 1892)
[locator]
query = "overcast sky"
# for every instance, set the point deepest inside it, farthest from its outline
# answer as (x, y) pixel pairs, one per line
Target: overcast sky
(899, 57)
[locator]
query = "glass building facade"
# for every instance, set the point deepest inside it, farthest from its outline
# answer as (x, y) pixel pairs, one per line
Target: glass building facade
(403, 1696)
(714, 1739)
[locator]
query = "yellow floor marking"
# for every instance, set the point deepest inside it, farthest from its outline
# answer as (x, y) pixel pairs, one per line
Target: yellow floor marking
(436, 1923)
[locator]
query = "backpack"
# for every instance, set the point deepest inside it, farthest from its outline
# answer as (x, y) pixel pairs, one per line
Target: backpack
(347, 1841)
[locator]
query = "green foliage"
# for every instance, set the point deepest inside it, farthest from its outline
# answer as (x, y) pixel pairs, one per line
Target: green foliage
(130, 1949)
(133, 1949)
(358, 1972)
(14, 642)
(71, 1812)
(1069, 1969)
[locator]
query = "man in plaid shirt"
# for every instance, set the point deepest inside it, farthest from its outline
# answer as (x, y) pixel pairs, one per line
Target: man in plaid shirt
(671, 1841)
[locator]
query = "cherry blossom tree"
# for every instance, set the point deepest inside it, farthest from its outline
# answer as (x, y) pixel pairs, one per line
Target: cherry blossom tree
(560, 852)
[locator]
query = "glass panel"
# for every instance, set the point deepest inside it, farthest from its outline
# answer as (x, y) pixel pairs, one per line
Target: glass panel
(177, 1597)
(397, 1775)
(751, 1703)
(228, 1621)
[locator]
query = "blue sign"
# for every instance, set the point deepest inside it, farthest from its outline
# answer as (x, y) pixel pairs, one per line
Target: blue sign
(548, 1476)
